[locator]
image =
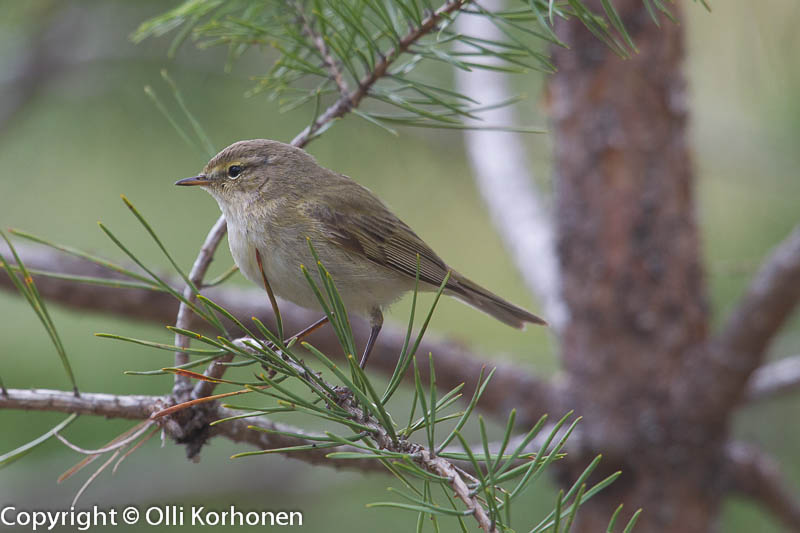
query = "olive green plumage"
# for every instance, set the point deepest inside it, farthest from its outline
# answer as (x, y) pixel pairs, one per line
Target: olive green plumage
(274, 196)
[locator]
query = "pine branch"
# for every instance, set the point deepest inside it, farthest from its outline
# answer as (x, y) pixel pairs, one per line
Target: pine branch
(325, 54)
(355, 404)
(456, 479)
(379, 432)
(132, 407)
(184, 318)
(512, 386)
(140, 407)
(352, 100)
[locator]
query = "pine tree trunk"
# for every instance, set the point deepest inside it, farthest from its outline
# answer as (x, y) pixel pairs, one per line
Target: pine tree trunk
(632, 273)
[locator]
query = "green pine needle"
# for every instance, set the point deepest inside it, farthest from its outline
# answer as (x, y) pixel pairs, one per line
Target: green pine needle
(27, 287)
(13, 455)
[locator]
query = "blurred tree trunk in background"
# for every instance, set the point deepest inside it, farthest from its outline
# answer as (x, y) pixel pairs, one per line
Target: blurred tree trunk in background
(632, 272)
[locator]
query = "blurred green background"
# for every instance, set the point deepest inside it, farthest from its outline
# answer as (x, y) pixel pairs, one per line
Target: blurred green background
(85, 133)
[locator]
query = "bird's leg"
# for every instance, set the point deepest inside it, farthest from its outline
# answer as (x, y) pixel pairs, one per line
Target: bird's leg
(272, 300)
(376, 321)
(300, 335)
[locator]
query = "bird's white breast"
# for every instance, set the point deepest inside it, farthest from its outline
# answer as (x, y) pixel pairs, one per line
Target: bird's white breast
(283, 249)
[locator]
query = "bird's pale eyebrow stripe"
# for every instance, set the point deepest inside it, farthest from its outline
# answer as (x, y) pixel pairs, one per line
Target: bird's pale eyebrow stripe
(223, 167)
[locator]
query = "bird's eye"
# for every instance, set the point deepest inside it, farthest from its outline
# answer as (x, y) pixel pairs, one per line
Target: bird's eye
(234, 171)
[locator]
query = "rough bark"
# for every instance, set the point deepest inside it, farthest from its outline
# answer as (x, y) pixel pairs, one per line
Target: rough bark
(632, 273)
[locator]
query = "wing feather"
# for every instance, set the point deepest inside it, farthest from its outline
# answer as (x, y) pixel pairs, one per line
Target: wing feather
(380, 237)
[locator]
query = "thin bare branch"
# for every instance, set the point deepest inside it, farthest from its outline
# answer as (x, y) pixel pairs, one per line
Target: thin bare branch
(503, 173)
(774, 379)
(215, 370)
(445, 468)
(754, 474)
(184, 320)
(139, 407)
(133, 407)
(241, 430)
(740, 346)
(331, 65)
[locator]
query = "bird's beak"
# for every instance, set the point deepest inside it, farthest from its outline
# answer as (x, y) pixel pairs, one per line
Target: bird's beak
(194, 180)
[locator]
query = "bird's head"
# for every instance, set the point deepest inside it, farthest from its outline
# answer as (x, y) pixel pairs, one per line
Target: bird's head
(248, 169)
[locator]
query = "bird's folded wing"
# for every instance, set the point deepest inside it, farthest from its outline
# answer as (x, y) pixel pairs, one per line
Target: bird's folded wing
(382, 238)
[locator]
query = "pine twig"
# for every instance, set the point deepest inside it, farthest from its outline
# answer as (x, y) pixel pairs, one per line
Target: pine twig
(132, 407)
(422, 456)
(215, 370)
(196, 275)
(325, 54)
(445, 468)
(351, 100)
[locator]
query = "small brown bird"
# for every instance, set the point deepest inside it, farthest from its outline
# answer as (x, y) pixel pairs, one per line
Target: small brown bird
(274, 196)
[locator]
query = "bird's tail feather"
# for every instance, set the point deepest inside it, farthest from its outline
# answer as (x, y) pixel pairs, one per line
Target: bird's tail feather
(473, 294)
